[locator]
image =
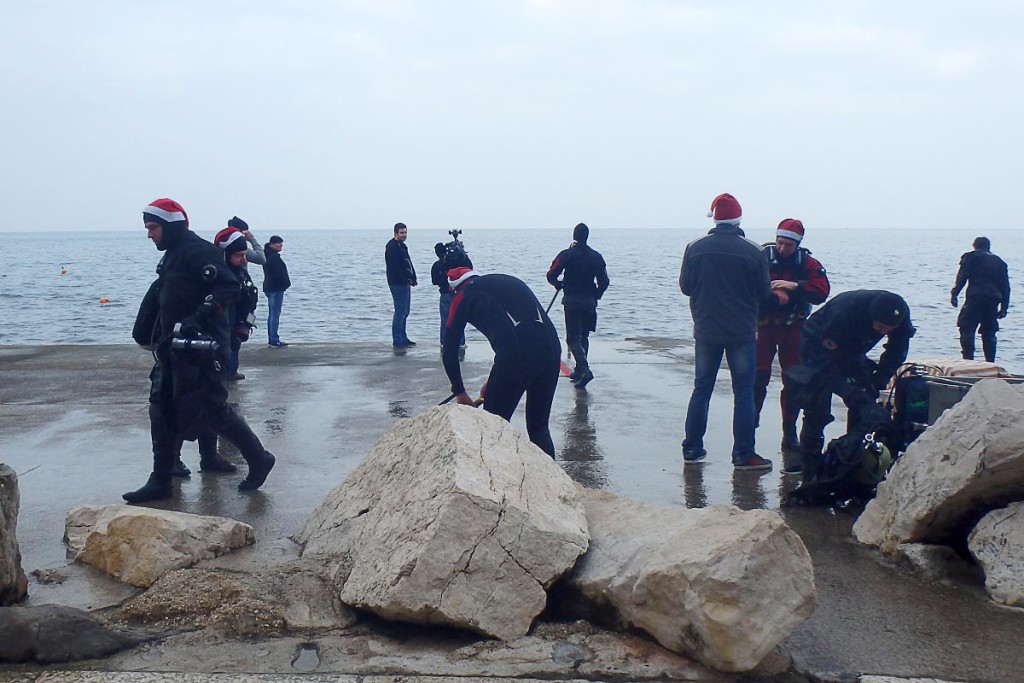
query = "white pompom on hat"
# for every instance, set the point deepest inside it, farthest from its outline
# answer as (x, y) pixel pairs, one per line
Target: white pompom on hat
(791, 228)
(456, 276)
(725, 210)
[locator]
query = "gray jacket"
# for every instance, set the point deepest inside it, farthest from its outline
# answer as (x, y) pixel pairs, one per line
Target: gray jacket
(726, 277)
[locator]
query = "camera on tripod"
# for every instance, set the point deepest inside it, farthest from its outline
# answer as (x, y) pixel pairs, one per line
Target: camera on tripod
(200, 344)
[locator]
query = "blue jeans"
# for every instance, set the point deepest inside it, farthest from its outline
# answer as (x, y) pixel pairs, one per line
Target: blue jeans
(402, 296)
(708, 358)
(445, 305)
(274, 302)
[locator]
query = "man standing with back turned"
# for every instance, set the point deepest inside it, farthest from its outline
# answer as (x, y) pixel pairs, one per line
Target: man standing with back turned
(726, 277)
(584, 283)
(988, 297)
(401, 280)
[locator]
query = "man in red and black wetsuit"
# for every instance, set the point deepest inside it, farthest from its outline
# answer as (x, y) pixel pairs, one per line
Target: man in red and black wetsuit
(799, 281)
(525, 344)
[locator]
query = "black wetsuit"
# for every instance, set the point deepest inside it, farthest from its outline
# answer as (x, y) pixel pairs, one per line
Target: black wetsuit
(525, 344)
(988, 297)
(189, 393)
(844, 323)
(583, 285)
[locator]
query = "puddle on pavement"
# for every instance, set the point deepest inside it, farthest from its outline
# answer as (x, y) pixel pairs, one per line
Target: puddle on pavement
(398, 409)
(307, 658)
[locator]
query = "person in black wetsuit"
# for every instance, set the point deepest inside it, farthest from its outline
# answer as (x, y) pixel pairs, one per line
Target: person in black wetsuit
(584, 283)
(988, 297)
(447, 258)
(525, 344)
(833, 360)
(189, 392)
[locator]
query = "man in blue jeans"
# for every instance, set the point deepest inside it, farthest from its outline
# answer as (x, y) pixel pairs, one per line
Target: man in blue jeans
(401, 280)
(275, 282)
(726, 277)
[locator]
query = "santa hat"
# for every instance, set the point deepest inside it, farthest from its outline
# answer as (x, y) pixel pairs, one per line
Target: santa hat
(165, 212)
(725, 210)
(456, 276)
(791, 228)
(230, 240)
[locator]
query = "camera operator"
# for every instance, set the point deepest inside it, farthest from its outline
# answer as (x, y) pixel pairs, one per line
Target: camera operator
(451, 255)
(188, 396)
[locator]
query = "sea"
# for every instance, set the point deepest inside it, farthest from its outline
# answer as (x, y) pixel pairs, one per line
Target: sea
(85, 287)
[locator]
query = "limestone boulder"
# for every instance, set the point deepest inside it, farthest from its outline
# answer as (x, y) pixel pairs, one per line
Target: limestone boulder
(720, 585)
(454, 518)
(50, 634)
(139, 545)
(997, 543)
(969, 462)
(13, 582)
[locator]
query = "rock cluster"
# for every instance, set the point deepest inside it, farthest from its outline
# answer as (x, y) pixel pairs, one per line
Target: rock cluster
(139, 545)
(966, 466)
(455, 518)
(13, 582)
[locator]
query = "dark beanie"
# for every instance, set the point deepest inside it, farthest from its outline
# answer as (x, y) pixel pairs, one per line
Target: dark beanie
(237, 222)
(439, 249)
(581, 233)
(889, 309)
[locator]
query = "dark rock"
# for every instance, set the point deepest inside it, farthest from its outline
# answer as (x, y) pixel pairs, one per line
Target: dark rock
(50, 634)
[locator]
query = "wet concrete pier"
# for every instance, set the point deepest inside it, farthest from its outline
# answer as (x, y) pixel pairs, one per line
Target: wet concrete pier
(73, 424)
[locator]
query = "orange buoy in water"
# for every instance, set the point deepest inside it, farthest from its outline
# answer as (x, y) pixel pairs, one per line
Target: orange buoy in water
(104, 300)
(63, 270)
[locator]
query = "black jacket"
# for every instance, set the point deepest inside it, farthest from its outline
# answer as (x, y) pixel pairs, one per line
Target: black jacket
(846, 322)
(726, 277)
(986, 277)
(399, 265)
(585, 278)
(507, 312)
(275, 272)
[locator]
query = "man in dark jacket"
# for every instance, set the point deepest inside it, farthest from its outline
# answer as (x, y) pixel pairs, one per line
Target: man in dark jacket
(584, 283)
(401, 280)
(451, 255)
(526, 349)
(726, 277)
(189, 393)
(275, 282)
(799, 281)
(988, 297)
(833, 360)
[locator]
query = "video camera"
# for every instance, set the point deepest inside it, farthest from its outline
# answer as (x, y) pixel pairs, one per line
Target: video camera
(200, 344)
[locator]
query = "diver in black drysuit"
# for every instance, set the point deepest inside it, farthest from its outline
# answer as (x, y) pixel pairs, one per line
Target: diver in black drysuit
(526, 348)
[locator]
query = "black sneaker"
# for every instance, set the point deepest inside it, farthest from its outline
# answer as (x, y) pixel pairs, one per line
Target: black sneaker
(693, 455)
(584, 379)
(258, 471)
(792, 466)
(753, 462)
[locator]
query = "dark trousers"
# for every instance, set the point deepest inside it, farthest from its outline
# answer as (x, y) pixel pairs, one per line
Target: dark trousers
(979, 312)
(578, 324)
(786, 340)
(536, 378)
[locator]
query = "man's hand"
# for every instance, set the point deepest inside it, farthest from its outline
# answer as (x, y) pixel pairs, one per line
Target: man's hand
(782, 295)
(1001, 313)
(952, 300)
(413, 283)
(190, 327)
(787, 285)
(463, 399)
(880, 379)
(248, 236)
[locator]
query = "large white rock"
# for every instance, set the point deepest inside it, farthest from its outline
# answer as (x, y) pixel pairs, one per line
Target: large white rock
(13, 582)
(967, 463)
(718, 584)
(997, 543)
(139, 545)
(454, 517)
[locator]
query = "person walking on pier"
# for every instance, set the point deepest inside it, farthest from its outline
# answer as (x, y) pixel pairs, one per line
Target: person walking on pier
(988, 298)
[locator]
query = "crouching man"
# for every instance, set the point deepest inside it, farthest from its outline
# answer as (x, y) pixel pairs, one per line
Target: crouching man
(526, 348)
(833, 360)
(188, 396)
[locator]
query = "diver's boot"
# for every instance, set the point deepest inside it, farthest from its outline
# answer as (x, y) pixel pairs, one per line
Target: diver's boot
(216, 463)
(259, 468)
(180, 469)
(158, 487)
(790, 441)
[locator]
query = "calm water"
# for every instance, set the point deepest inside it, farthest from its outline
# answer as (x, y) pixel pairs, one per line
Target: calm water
(339, 292)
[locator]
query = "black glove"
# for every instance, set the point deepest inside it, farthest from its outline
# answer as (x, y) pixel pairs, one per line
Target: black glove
(1001, 314)
(880, 379)
(953, 301)
(189, 327)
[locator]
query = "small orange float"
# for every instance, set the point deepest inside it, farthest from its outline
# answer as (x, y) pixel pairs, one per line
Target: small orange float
(104, 300)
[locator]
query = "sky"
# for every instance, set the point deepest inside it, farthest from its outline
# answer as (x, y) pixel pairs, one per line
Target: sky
(511, 113)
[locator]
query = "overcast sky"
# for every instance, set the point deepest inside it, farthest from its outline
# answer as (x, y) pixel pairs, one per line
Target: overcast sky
(529, 113)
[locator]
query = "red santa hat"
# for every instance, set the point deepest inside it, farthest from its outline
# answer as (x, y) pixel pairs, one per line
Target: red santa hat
(791, 228)
(230, 240)
(725, 210)
(165, 211)
(456, 276)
